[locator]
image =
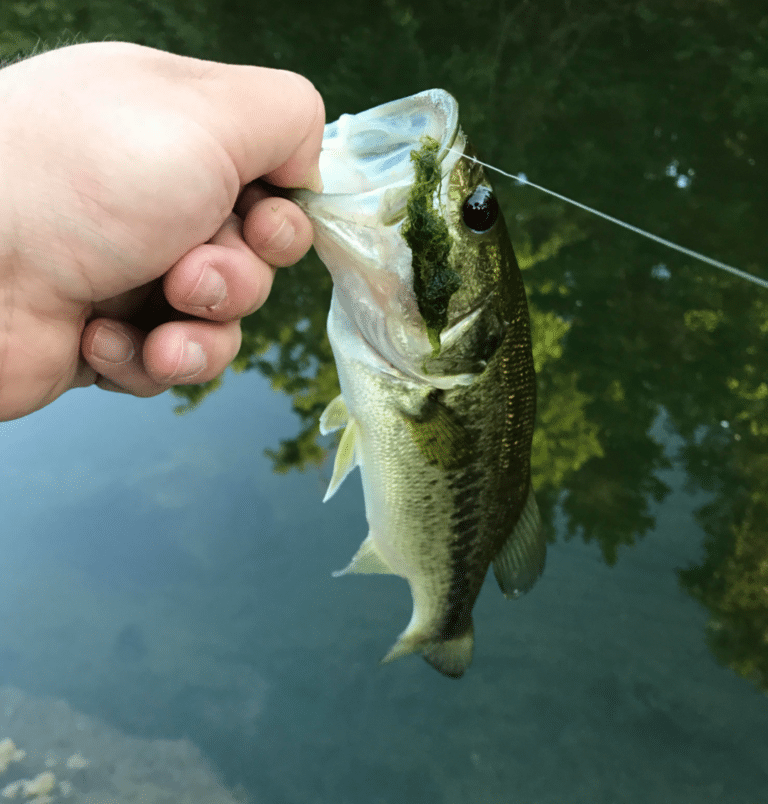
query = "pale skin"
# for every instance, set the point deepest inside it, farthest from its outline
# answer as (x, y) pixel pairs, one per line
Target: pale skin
(123, 203)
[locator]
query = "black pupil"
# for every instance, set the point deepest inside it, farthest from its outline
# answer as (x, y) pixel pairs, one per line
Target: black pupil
(480, 210)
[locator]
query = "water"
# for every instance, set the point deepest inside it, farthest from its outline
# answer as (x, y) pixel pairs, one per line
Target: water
(168, 609)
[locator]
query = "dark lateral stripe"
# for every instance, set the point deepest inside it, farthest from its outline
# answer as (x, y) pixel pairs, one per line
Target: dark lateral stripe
(465, 528)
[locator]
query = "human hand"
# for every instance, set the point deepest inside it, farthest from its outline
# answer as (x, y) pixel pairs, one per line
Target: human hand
(120, 168)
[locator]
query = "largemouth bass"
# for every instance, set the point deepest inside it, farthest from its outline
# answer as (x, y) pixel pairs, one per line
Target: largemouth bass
(430, 332)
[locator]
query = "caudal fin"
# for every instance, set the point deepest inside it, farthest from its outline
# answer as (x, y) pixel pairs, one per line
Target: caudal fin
(451, 657)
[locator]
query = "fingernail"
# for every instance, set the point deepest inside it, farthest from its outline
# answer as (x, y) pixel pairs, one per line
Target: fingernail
(314, 180)
(282, 238)
(210, 290)
(112, 345)
(192, 361)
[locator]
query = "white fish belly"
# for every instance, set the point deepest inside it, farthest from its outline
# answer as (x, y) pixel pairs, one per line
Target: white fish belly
(407, 504)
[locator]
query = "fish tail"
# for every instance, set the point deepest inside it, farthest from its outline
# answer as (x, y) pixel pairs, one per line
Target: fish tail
(453, 656)
(450, 656)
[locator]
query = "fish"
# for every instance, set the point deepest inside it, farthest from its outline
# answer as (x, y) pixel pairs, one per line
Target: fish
(430, 332)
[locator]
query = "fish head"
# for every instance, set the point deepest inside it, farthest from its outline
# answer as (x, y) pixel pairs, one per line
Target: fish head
(413, 238)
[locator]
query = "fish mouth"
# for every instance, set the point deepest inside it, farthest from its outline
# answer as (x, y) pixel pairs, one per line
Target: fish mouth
(371, 151)
(368, 175)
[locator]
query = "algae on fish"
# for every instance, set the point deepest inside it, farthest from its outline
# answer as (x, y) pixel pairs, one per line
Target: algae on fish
(426, 233)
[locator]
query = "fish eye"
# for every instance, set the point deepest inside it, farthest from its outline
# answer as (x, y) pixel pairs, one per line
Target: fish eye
(480, 210)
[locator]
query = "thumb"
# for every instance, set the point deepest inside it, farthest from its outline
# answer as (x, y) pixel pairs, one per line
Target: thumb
(269, 121)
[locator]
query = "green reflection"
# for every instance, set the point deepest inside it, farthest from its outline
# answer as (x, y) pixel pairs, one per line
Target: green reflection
(652, 111)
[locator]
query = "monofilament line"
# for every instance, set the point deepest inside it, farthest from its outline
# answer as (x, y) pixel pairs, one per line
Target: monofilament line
(664, 242)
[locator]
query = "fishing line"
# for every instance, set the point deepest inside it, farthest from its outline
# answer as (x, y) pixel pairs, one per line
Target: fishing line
(664, 242)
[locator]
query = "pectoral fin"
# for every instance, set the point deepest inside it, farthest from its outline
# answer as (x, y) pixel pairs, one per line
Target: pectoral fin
(520, 561)
(439, 434)
(367, 560)
(347, 457)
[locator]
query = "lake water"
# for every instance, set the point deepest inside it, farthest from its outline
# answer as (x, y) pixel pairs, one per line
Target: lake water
(167, 609)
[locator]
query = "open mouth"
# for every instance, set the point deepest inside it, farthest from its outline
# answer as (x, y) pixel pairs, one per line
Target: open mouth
(372, 150)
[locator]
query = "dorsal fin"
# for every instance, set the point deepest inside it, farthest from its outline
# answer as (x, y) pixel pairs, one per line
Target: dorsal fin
(520, 560)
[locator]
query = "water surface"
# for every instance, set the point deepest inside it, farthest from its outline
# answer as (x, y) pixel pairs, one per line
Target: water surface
(162, 578)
